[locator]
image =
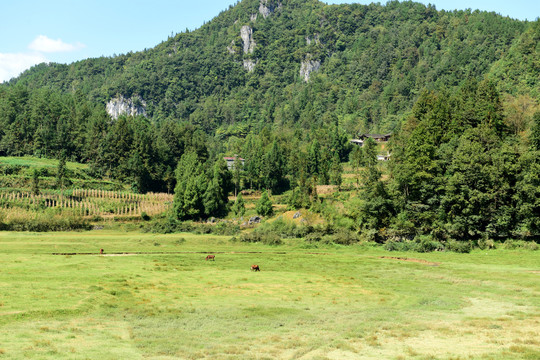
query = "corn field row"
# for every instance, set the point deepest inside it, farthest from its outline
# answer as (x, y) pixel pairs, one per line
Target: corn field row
(85, 202)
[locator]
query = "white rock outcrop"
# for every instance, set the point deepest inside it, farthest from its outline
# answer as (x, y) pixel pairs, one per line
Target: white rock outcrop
(246, 33)
(249, 65)
(231, 49)
(266, 9)
(315, 39)
(121, 106)
(309, 66)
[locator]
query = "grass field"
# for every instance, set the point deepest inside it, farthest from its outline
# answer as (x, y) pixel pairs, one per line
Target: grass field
(34, 162)
(162, 300)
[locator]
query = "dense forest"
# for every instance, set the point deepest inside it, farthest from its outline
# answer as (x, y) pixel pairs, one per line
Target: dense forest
(285, 84)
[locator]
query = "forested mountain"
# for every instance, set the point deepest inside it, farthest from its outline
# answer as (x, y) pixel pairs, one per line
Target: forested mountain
(245, 65)
(285, 84)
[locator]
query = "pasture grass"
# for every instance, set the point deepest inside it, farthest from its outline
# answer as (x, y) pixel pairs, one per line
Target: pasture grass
(162, 300)
(30, 161)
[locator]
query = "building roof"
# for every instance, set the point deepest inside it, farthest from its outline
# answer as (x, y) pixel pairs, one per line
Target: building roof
(376, 136)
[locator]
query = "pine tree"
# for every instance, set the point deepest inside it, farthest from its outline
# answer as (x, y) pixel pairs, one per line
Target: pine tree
(212, 201)
(264, 205)
(61, 172)
(314, 159)
(35, 182)
(191, 183)
(239, 207)
(274, 168)
(336, 171)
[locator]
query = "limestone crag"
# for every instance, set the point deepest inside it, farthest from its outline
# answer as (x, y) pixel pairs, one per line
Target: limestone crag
(249, 65)
(121, 106)
(315, 39)
(307, 67)
(246, 33)
(231, 49)
(267, 9)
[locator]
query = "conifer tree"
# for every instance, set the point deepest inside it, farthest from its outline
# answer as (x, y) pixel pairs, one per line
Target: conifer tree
(61, 180)
(191, 183)
(239, 207)
(35, 182)
(336, 170)
(264, 205)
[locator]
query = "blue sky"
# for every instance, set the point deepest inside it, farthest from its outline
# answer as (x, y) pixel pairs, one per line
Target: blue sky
(64, 31)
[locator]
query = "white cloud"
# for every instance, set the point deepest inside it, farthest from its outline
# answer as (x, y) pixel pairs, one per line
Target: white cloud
(43, 44)
(12, 65)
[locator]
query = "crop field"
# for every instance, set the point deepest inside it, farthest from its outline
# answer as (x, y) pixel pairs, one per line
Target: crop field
(86, 202)
(155, 297)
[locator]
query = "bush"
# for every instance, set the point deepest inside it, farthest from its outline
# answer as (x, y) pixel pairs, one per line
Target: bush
(279, 226)
(314, 237)
(520, 244)
(264, 237)
(463, 247)
(369, 235)
(145, 216)
(485, 244)
(179, 241)
(397, 245)
(345, 237)
(302, 231)
(225, 228)
(425, 243)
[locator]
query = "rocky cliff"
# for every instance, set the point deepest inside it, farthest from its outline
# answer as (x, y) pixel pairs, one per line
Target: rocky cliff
(121, 106)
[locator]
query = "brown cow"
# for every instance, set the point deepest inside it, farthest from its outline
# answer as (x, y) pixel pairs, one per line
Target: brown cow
(255, 268)
(211, 257)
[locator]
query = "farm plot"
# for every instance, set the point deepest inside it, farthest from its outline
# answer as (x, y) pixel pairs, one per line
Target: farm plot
(87, 202)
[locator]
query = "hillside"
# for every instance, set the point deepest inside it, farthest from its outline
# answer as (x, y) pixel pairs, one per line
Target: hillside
(299, 63)
(284, 85)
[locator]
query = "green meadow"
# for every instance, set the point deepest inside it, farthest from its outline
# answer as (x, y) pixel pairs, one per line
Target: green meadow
(155, 297)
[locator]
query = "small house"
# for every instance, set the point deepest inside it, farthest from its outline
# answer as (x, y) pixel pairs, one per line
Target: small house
(232, 160)
(376, 137)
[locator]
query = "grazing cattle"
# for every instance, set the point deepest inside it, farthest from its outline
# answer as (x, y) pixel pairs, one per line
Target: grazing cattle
(101, 251)
(255, 268)
(211, 257)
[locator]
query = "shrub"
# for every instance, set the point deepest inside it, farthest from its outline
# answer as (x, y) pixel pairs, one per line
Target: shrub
(369, 235)
(345, 237)
(224, 228)
(302, 231)
(280, 226)
(145, 216)
(397, 245)
(485, 244)
(179, 241)
(264, 237)
(314, 237)
(459, 246)
(520, 244)
(427, 244)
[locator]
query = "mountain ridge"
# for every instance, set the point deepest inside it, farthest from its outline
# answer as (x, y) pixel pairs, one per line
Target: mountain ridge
(373, 61)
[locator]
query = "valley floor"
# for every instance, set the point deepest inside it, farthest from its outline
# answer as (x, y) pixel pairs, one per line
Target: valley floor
(164, 301)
